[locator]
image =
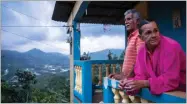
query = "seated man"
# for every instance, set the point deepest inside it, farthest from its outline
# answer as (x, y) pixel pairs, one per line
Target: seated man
(160, 63)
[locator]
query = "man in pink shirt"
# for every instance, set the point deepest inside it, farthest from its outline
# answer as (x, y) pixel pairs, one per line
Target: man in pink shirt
(160, 64)
(132, 18)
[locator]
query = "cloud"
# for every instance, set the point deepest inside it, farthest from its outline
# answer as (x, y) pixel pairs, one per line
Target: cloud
(93, 44)
(10, 39)
(98, 30)
(34, 9)
(51, 39)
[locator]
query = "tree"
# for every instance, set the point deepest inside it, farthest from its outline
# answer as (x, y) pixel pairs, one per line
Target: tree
(88, 56)
(8, 94)
(57, 90)
(44, 96)
(61, 88)
(18, 90)
(25, 80)
(115, 57)
(85, 56)
(109, 58)
(109, 55)
(122, 55)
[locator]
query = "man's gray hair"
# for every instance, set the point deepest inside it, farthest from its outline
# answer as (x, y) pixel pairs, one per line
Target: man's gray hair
(134, 12)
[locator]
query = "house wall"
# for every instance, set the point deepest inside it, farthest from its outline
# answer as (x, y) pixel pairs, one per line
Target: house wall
(161, 12)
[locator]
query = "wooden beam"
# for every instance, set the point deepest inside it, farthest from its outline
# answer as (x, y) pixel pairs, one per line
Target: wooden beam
(77, 12)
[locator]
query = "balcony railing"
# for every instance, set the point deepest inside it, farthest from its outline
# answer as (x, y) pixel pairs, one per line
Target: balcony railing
(84, 72)
(112, 94)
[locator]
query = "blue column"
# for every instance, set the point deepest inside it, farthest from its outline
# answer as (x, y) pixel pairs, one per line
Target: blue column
(76, 43)
(108, 96)
(87, 83)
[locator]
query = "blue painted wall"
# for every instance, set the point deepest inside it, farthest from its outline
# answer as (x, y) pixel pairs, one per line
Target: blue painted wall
(76, 37)
(161, 12)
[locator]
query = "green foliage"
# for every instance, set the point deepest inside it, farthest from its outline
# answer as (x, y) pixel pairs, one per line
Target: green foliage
(43, 96)
(109, 55)
(122, 55)
(8, 94)
(85, 56)
(115, 57)
(25, 81)
(56, 89)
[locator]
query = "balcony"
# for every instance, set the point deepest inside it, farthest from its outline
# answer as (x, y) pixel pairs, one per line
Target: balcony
(85, 88)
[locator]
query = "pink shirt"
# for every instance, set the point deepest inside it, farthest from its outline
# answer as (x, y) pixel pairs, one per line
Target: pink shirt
(133, 45)
(168, 70)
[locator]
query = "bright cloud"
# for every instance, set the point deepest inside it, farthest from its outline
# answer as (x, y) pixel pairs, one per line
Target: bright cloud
(93, 38)
(93, 44)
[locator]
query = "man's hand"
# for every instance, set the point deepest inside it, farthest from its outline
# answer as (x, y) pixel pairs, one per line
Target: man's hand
(122, 83)
(132, 85)
(116, 76)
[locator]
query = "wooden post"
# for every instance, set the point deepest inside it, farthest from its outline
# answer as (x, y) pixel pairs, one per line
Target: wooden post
(135, 99)
(144, 101)
(81, 80)
(78, 82)
(116, 95)
(93, 70)
(125, 98)
(107, 69)
(100, 74)
(114, 68)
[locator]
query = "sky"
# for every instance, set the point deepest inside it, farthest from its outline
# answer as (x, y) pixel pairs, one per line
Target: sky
(50, 39)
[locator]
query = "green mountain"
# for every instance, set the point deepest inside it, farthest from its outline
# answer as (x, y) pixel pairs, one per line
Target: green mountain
(42, 63)
(35, 60)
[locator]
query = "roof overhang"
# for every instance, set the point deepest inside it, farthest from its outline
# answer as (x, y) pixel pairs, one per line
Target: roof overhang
(95, 12)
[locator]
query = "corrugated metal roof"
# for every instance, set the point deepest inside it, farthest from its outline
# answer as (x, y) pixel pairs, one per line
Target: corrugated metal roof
(98, 12)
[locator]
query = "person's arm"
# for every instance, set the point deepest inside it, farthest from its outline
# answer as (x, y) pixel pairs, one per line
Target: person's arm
(139, 80)
(138, 70)
(126, 65)
(139, 43)
(170, 78)
(130, 72)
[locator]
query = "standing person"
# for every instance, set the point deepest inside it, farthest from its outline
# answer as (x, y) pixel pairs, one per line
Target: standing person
(132, 18)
